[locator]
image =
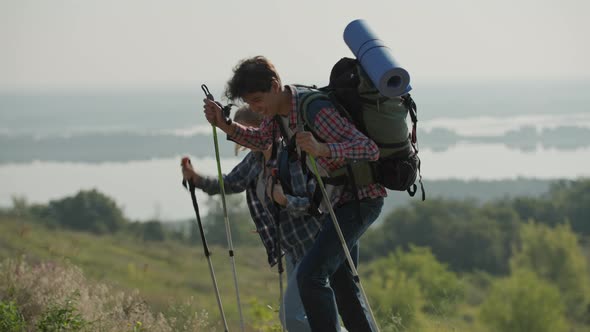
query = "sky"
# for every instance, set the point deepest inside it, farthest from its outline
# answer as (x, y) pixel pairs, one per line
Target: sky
(127, 44)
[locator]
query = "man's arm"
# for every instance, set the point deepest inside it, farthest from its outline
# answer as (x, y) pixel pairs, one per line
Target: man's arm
(343, 139)
(256, 138)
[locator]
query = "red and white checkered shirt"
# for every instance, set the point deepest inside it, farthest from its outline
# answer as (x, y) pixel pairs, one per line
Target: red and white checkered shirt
(346, 143)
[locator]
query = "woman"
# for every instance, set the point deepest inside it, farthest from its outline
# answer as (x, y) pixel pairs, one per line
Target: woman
(298, 229)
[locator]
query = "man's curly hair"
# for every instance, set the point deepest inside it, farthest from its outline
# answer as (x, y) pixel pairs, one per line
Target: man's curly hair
(251, 75)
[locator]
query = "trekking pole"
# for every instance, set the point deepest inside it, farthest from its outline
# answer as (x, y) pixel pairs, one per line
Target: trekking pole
(226, 219)
(278, 248)
(191, 188)
(280, 268)
(355, 274)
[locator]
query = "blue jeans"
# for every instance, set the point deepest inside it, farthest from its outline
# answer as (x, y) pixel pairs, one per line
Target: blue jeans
(324, 277)
(294, 318)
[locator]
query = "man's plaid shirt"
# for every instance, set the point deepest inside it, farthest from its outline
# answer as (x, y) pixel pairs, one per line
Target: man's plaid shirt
(345, 142)
(298, 229)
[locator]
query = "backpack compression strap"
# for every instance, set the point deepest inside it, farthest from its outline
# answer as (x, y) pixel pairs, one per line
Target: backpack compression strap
(413, 110)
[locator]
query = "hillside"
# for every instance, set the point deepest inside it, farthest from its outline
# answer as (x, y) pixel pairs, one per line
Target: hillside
(440, 265)
(162, 272)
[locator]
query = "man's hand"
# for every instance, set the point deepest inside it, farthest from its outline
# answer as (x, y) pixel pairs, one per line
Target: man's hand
(214, 115)
(309, 144)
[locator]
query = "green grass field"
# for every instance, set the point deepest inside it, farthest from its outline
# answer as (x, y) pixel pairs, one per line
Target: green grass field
(162, 272)
(173, 279)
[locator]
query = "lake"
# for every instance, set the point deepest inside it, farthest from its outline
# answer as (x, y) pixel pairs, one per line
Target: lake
(129, 145)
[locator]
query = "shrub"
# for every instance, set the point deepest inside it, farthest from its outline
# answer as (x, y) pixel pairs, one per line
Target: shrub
(416, 279)
(52, 297)
(153, 231)
(554, 255)
(396, 300)
(62, 317)
(10, 317)
(87, 211)
(523, 303)
(265, 317)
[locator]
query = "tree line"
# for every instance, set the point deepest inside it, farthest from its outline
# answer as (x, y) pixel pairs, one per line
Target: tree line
(468, 235)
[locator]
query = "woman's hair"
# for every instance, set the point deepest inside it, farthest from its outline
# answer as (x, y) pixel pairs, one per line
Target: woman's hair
(251, 75)
(244, 115)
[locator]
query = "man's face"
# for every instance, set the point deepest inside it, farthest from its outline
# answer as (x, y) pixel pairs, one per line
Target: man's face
(264, 103)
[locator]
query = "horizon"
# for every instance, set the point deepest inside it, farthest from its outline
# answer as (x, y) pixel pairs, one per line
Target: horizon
(220, 87)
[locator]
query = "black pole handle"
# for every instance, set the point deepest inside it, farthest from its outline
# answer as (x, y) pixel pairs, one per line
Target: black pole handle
(225, 110)
(191, 188)
(186, 161)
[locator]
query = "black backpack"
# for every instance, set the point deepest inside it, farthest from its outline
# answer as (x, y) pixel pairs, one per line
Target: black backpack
(382, 119)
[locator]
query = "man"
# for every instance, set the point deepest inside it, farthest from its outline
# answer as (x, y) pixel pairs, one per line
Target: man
(256, 82)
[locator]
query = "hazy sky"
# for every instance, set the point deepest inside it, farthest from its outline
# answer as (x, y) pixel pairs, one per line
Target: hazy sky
(62, 44)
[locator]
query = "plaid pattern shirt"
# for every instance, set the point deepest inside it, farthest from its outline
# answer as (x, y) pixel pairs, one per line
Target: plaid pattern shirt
(345, 142)
(298, 229)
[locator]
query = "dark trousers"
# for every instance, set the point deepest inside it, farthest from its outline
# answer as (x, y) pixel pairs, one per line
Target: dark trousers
(324, 276)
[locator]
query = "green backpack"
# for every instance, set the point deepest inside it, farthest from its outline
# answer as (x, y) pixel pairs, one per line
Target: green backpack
(382, 119)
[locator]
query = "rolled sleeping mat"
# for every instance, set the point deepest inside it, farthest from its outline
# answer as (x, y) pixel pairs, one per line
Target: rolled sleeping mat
(376, 59)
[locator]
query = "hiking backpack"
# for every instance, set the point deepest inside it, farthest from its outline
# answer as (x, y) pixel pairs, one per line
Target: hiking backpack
(382, 119)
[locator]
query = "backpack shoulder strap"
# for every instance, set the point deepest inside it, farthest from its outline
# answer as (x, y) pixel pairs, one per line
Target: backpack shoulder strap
(281, 126)
(310, 103)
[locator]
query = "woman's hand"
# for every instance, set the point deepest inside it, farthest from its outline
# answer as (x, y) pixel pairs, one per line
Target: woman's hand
(188, 172)
(276, 194)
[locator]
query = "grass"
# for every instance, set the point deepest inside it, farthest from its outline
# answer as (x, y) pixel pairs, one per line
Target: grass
(162, 272)
(169, 276)
(117, 283)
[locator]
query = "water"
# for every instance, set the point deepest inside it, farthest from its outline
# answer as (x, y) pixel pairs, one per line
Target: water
(128, 145)
(144, 189)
